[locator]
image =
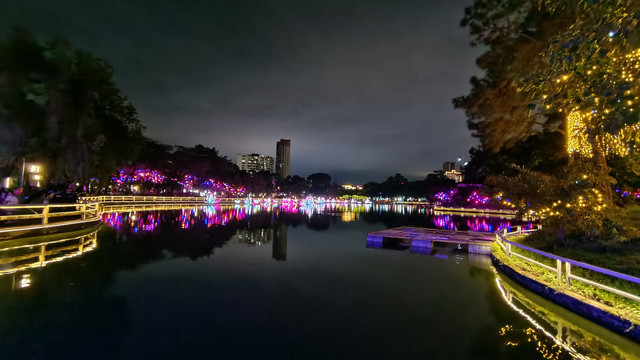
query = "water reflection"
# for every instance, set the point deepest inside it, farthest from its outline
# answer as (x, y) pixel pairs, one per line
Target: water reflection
(25, 254)
(126, 298)
(147, 221)
(268, 223)
(555, 331)
(318, 216)
(254, 237)
(279, 251)
(474, 222)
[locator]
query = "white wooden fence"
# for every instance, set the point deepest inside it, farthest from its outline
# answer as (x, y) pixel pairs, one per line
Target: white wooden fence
(563, 263)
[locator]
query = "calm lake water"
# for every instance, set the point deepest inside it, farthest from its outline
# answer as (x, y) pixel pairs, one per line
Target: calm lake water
(275, 283)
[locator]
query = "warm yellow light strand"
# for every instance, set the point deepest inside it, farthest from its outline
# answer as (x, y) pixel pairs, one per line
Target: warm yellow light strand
(611, 144)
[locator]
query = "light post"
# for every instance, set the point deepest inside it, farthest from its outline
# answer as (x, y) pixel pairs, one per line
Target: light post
(22, 172)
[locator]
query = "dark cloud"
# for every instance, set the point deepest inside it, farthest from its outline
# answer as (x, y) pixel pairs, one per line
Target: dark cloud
(362, 88)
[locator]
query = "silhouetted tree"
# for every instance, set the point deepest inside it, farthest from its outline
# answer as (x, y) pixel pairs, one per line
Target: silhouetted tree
(320, 184)
(294, 186)
(61, 107)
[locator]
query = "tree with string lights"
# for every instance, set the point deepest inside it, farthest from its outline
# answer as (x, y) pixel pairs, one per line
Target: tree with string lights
(564, 66)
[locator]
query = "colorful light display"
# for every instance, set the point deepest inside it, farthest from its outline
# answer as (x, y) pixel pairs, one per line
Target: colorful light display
(629, 193)
(445, 196)
(460, 223)
(477, 199)
(189, 183)
(139, 175)
(209, 216)
(148, 221)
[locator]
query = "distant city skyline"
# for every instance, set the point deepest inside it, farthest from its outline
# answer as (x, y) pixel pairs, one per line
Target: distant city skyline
(362, 87)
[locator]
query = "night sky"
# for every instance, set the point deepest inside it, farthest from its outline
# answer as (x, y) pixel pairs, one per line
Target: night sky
(362, 88)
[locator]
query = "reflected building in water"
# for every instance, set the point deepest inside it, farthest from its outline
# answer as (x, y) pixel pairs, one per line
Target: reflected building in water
(254, 237)
(280, 233)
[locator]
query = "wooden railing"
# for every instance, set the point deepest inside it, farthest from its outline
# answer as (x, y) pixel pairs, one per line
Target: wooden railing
(140, 199)
(107, 208)
(47, 214)
(564, 263)
(508, 212)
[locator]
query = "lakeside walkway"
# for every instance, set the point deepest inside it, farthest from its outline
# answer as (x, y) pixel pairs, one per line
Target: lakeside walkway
(512, 259)
(18, 221)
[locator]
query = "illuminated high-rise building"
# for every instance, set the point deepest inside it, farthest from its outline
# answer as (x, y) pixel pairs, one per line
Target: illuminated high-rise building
(283, 153)
(255, 162)
(450, 165)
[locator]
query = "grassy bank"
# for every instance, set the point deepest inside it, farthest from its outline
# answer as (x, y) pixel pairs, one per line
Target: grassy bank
(615, 304)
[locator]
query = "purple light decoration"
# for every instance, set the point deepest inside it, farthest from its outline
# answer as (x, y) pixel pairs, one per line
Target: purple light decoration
(445, 196)
(477, 199)
(188, 182)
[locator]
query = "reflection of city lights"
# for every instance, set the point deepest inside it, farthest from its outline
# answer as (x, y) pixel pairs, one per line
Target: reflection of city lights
(216, 215)
(480, 224)
(348, 216)
(25, 281)
(445, 222)
(531, 332)
(147, 221)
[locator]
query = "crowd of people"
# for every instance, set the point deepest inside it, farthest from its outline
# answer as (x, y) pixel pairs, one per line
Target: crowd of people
(31, 195)
(9, 197)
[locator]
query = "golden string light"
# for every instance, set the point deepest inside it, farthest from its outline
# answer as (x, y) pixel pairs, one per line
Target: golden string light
(611, 144)
(581, 123)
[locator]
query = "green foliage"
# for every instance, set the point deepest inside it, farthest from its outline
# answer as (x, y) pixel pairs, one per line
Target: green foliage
(566, 200)
(542, 153)
(399, 186)
(60, 107)
(546, 59)
(515, 32)
(200, 161)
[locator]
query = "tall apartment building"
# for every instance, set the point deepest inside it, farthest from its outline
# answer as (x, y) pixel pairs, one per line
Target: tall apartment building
(255, 162)
(283, 154)
(450, 165)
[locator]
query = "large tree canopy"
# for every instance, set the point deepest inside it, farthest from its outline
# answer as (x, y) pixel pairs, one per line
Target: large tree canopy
(59, 106)
(564, 65)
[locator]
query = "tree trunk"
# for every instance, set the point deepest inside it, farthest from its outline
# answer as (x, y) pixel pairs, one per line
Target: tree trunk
(603, 182)
(561, 239)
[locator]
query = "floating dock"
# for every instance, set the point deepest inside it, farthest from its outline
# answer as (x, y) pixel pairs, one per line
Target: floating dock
(421, 240)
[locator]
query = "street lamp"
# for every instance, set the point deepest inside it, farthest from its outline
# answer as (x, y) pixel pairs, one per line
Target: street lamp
(22, 172)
